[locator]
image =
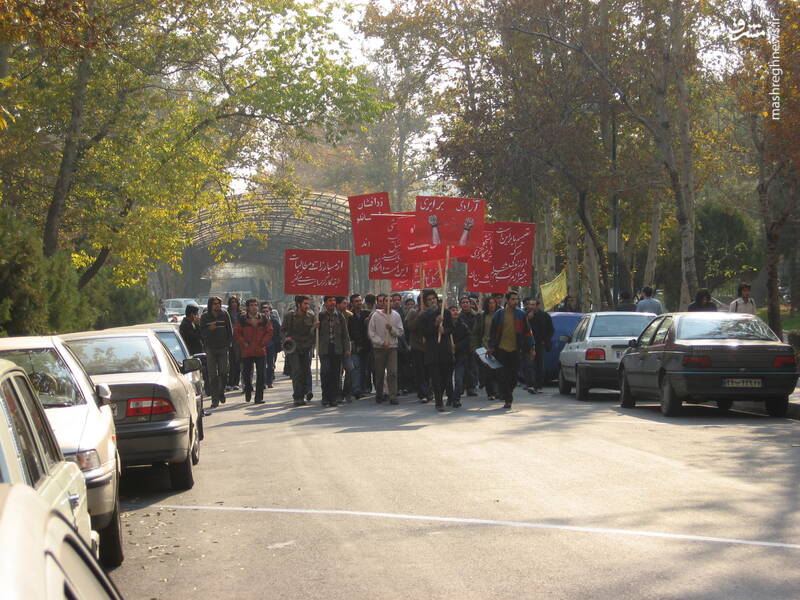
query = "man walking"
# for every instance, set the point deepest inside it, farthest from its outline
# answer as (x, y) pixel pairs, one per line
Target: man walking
(541, 324)
(357, 329)
(416, 340)
(648, 303)
(253, 332)
(743, 303)
(384, 329)
(274, 345)
(438, 331)
(334, 345)
(217, 333)
(510, 335)
(299, 326)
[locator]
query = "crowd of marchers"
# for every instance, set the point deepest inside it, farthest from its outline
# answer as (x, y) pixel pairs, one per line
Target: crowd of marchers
(389, 345)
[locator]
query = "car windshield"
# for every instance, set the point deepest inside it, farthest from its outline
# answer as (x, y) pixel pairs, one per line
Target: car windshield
(628, 326)
(107, 355)
(724, 329)
(49, 375)
(173, 344)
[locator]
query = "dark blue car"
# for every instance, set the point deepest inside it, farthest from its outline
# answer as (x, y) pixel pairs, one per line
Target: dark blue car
(564, 324)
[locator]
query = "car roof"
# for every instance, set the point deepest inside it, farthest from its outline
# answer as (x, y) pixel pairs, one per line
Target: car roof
(710, 315)
(145, 326)
(181, 299)
(27, 342)
(106, 333)
(7, 366)
(623, 312)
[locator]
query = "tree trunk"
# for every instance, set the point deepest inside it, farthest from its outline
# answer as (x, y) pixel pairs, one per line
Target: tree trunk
(572, 253)
(93, 269)
(583, 213)
(652, 248)
(549, 245)
(794, 289)
(592, 274)
(69, 156)
(773, 298)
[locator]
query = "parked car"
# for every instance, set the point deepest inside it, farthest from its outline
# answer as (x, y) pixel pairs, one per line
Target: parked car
(170, 336)
(177, 306)
(697, 357)
(563, 325)
(592, 353)
(29, 453)
(83, 424)
(41, 556)
(155, 405)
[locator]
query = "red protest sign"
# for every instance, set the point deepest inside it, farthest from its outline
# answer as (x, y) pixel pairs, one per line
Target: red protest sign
(425, 275)
(384, 259)
(361, 210)
(411, 251)
(480, 274)
(512, 256)
(316, 272)
(449, 221)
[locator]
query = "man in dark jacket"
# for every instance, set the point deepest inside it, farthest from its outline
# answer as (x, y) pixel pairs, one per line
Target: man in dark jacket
(357, 330)
(190, 329)
(462, 352)
(626, 303)
(438, 329)
(416, 340)
(509, 337)
(542, 327)
(217, 333)
(274, 345)
(299, 326)
(334, 345)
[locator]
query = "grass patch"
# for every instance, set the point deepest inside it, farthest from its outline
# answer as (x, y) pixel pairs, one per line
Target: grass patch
(788, 323)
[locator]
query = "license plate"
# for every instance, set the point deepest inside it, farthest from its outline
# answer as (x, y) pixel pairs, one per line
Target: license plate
(741, 383)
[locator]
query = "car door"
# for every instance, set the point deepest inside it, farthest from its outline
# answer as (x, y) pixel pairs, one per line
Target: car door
(63, 480)
(634, 361)
(174, 369)
(651, 365)
(569, 355)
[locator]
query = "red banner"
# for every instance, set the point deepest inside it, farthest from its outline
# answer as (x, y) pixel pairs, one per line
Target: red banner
(445, 221)
(425, 275)
(480, 275)
(414, 252)
(361, 210)
(384, 258)
(316, 272)
(512, 258)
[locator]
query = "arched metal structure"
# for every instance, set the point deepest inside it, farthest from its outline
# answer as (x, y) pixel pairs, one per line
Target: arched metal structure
(320, 220)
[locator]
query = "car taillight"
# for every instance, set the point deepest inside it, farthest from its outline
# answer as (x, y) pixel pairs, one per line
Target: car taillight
(595, 354)
(784, 361)
(697, 361)
(145, 407)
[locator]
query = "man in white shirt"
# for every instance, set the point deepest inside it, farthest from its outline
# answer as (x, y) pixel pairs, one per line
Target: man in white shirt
(384, 329)
(744, 303)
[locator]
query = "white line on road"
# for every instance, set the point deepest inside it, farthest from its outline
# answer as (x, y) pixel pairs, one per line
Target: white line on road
(466, 521)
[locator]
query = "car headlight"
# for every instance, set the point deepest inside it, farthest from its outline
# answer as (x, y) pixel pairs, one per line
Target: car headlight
(86, 460)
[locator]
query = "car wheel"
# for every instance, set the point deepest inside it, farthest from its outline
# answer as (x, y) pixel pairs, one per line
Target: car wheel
(200, 434)
(724, 404)
(626, 399)
(111, 551)
(670, 404)
(196, 448)
(180, 474)
(581, 387)
(564, 386)
(778, 407)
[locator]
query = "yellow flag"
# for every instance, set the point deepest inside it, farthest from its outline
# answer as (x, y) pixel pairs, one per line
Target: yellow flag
(554, 291)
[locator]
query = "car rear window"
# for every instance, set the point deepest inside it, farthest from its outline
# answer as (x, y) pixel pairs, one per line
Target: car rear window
(619, 325)
(724, 328)
(108, 355)
(49, 374)
(173, 344)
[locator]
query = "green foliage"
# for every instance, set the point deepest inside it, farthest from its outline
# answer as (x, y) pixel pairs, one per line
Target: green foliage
(117, 306)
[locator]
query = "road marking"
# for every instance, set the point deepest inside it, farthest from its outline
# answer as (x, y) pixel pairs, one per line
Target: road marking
(467, 521)
(280, 545)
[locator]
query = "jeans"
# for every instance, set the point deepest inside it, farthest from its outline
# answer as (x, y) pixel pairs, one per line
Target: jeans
(217, 374)
(385, 360)
(300, 361)
(459, 374)
(421, 377)
(538, 363)
(507, 377)
(355, 374)
(330, 376)
(471, 372)
(234, 364)
(442, 379)
(269, 369)
(248, 362)
(529, 371)
(366, 371)
(489, 377)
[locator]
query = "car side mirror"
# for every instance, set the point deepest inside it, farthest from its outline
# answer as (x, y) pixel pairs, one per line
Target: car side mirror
(201, 356)
(565, 339)
(191, 364)
(103, 393)
(633, 343)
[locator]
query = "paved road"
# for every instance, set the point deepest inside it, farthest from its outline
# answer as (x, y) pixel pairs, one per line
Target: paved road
(554, 499)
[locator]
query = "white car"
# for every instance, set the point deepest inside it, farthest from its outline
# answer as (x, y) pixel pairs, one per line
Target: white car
(592, 353)
(83, 424)
(176, 307)
(29, 453)
(41, 557)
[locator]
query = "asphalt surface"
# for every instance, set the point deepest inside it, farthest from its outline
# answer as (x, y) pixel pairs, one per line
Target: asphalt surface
(553, 499)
